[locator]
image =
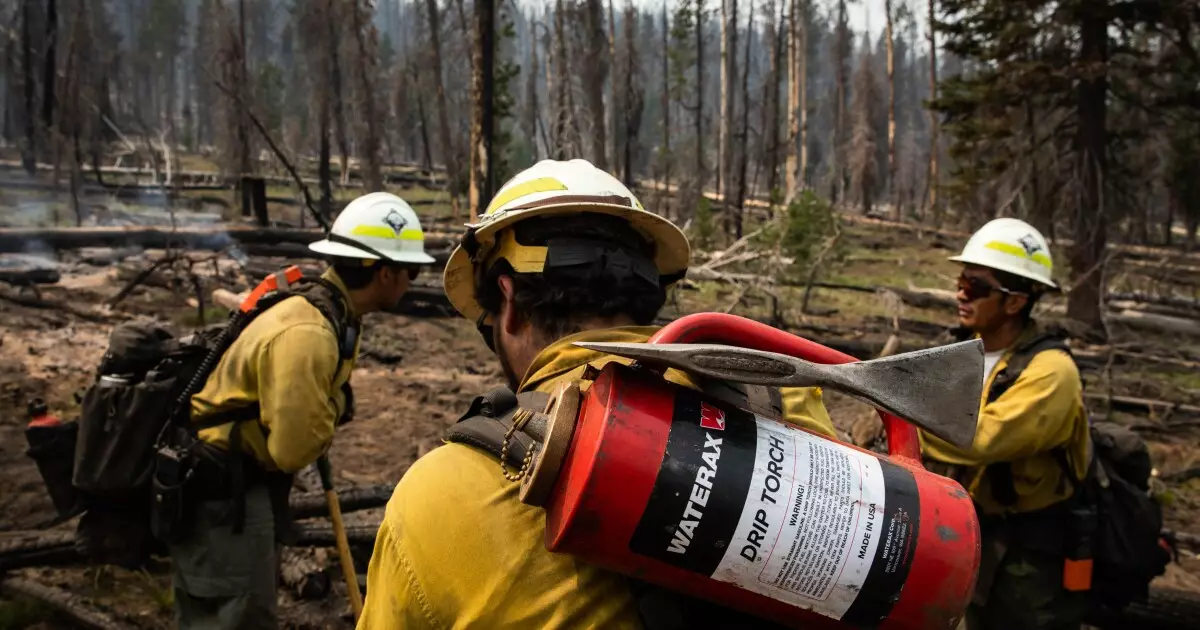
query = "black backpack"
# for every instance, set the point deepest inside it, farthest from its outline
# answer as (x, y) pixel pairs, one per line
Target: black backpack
(1126, 549)
(139, 407)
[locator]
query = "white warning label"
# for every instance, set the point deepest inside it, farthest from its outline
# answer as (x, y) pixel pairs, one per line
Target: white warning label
(810, 524)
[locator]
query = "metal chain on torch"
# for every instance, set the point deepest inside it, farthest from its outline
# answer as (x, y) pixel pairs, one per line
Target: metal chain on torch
(521, 417)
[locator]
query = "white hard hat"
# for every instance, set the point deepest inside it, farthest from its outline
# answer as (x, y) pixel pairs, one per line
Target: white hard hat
(556, 188)
(1010, 245)
(376, 225)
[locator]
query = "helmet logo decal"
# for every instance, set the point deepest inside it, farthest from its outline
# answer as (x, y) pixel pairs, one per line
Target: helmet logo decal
(1030, 244)
(395, 221)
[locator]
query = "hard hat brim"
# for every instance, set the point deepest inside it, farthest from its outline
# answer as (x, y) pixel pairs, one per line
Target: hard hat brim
(1013, 269)
(341, 250)
(672, 250)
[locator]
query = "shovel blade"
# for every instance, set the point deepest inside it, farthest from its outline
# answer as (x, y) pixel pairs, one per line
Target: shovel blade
(937, 390)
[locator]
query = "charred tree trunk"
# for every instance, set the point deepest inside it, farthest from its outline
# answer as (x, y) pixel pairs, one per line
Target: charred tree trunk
(449, 155)
(633, 98)
(243, 92)
(794, 54)
(668, 158)
(842, 51)
(616, 114)
(1084, 302)
(49, 76)
(335, 78)
(897, 214)
(597, 73)
(422, 120)
(700, 174)
(802, 75)
(29, 152)
(531, 99)
(931, 181)
(728, 97)
(744, 131)
(324, 176)
(482, 115)
(562, 81)
(770, 98)
(372, 174)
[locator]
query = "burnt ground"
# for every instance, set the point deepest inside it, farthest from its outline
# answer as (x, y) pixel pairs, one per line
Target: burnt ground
(419, 374)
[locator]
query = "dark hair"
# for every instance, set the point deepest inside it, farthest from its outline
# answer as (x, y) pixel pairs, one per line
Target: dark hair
(1020, 284)
(558, 300)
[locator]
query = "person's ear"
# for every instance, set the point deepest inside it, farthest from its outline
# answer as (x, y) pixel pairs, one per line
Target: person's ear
(510, 321)
(1015, 303)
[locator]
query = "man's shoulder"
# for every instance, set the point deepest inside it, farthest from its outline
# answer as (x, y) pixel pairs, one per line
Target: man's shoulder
(1057, 362)
(296, 317)
(453, 477)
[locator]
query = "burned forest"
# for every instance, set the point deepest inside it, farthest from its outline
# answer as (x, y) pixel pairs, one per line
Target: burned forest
(825, 159)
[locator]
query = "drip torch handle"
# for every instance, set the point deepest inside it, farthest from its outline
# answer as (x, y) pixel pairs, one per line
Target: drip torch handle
(747, 333)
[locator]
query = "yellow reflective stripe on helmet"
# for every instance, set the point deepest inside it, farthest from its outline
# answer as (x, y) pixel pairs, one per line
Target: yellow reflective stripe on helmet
(523, 258)
(411, 235)
(383, 231)
(1017, 250)
(539, 185)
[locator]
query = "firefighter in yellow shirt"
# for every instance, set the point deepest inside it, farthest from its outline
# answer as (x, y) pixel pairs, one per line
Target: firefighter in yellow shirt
(273, 400)
(1031, 446)
(564, 253)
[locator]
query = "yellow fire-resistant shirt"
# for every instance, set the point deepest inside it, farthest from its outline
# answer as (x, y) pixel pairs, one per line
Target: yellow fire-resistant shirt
(1042, 411)
(285, 360)
(457, 549)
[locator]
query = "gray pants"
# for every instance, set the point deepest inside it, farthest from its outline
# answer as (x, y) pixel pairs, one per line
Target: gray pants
(227, 581)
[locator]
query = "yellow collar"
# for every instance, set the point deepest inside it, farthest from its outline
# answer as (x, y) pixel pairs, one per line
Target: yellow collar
(562, 356)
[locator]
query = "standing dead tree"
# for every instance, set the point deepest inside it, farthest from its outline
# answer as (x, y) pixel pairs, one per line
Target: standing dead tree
(841, 54)
(449, 155)
(862, 150)
(931, 180)
(595, 74)
(482, 117)
(366, 39)
(770, 98)
(897, 215)
(725, 165)
(634, 95)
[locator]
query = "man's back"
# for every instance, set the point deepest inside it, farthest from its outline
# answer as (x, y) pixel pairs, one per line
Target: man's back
(287, 361)
(457, 548)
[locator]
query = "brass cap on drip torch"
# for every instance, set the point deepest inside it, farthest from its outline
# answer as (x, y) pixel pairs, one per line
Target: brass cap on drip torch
(561, 413)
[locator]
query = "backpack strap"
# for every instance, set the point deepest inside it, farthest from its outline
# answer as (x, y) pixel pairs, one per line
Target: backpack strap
(489, 418)
(999, 474)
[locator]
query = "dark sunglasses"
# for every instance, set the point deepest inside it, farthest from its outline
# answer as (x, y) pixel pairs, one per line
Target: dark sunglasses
(978, 288)
(413, 272)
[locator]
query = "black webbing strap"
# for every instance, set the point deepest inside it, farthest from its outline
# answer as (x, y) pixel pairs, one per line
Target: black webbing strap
(999, 474)
(489, 418)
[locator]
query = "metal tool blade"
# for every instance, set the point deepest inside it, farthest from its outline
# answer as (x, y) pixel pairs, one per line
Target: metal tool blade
(937, 389)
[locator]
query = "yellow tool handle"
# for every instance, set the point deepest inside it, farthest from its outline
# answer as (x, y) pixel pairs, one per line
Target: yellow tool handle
(344, 558)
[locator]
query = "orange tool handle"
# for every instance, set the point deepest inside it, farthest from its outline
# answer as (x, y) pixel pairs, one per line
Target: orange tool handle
(270, 283)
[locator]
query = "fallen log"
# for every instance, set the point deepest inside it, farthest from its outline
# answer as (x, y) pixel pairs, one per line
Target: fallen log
(35, 302)
(13, 240)
(322, 535)
(1161, 300)
(1154, 309)
(1156, 323)
(313, 504)
(71, 605)
(27, 277)
(1144, 405)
